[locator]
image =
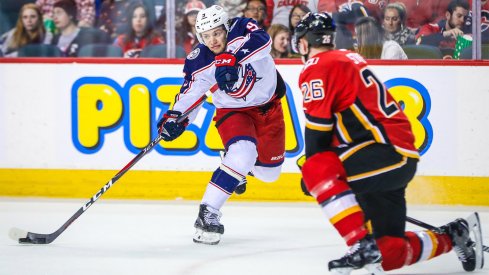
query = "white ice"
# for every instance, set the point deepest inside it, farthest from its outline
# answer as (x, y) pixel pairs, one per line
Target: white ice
(155, 237)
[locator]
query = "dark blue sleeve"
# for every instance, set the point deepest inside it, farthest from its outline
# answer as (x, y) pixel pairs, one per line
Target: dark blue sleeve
(258, 38)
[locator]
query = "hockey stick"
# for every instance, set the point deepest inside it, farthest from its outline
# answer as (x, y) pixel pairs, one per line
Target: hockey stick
(434, 229)
(25, 237)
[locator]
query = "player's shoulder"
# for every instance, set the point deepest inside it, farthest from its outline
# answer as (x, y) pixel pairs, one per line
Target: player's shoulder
(340, 59)
(198, 58)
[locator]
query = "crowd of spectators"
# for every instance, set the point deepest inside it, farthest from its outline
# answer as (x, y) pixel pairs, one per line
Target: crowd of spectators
(376, 29)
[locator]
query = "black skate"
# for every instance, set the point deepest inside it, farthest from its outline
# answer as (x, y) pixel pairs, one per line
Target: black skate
(241, 188)
(467, 250)
(363, 254)
(208, 228)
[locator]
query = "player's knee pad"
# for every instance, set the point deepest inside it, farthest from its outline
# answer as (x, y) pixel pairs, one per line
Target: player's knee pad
(241, 156)
(267, 174)
(226, 179)
(324, 176)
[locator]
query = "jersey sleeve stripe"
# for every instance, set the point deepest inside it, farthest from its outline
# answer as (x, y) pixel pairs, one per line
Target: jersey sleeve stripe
(342, 131)
(378, 171)
(345, 155)
(378, 136)
(407, 153)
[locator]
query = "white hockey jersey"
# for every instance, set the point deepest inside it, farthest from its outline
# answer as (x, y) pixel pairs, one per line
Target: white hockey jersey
(257, 74)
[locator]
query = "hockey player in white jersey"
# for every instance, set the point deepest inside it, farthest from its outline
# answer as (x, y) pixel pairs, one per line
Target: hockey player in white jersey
(235, 55)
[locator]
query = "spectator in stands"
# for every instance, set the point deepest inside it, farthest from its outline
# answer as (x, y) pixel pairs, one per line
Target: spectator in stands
(280, 36)
(28, 30)
(296, 14)
(371, 42)
(345, 17)
(484, 21)
(444, 34)
(234, 8)
(85, 11)
(418, 12)
(113, 17)
(278, 11)
(186, 35)
(70, 37)
(141, 32)
(394, 24)
(257, 10)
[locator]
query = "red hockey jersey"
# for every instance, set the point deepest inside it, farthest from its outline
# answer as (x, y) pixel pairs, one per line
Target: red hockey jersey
(342, 95)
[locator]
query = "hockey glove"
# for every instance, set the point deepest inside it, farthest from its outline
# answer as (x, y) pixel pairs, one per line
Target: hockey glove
(300, 162)
(226, 71)
(169, 128)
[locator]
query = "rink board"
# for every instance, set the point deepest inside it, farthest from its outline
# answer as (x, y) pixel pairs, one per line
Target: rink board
(188, 185)
(67, 130)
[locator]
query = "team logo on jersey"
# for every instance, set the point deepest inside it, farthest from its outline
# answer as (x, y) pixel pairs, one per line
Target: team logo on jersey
(193, 54)
(249, 80)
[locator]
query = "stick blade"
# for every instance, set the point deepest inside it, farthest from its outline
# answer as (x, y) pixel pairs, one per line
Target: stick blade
(17, 234)
(476, 233)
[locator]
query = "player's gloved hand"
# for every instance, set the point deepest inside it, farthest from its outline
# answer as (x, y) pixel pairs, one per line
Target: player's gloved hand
(226, 71)
(300, 162)
(169, 128)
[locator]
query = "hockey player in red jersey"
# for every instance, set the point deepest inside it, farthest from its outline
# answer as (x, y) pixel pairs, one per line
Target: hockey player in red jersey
(360, 156)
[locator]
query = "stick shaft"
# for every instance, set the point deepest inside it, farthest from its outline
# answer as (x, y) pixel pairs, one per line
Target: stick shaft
(48, 238)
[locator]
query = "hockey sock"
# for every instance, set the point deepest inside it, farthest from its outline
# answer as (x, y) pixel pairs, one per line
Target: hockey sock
(222, 184)
(324, 175)
(415, 247)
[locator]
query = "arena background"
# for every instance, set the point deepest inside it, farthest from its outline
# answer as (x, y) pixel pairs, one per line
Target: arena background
(68, 125)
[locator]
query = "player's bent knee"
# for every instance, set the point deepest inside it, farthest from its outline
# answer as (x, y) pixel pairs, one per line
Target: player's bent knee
(241, 156)
(226, 179)
(324, 175)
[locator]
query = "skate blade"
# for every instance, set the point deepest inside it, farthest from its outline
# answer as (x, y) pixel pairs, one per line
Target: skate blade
(341, 271)
(203, 237)
(476, 233)
(375, 269)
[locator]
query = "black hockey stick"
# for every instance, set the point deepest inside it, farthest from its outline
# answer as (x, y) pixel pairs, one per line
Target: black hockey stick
(434, 229)
(25, 237)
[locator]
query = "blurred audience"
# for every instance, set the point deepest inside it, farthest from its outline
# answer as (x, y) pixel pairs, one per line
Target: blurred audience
(70, 38)
(371, 42)
(28, 30)
(280, 36)
(444, 34)
(85, 11)
(296, 13)
(484, 20)
(418, 12)
(141, 32)
(345, 18)
(234, 8)
(394, 24)
(186, 34)
(278, 11)
(257, 10)
(113, 17)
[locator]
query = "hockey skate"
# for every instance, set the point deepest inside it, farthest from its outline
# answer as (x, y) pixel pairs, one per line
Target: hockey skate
(363, 254)
(468, 251)
(208, 228)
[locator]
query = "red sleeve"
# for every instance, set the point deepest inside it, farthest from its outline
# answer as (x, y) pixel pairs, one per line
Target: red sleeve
(427, 30)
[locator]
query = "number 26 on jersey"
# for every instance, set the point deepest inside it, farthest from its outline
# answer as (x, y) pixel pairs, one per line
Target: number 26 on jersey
(312, 90)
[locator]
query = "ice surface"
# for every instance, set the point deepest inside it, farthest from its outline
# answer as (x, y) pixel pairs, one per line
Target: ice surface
(155, 237)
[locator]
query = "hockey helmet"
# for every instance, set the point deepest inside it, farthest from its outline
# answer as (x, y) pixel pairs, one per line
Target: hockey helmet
(209, 19)
(318, 28)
